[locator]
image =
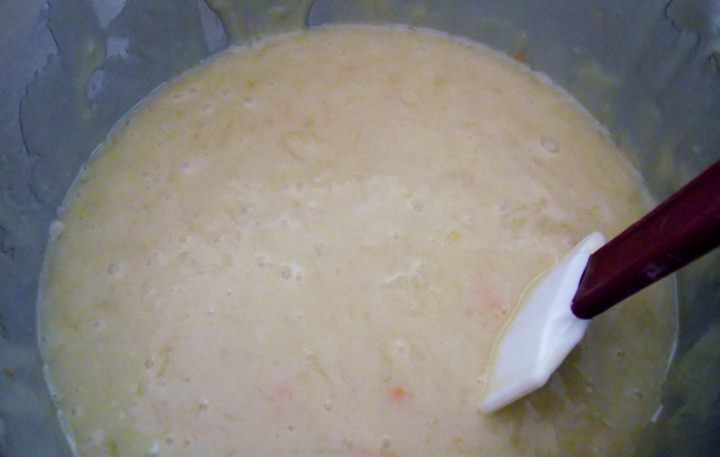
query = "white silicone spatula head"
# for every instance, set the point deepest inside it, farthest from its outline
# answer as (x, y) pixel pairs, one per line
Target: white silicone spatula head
(541, 333)
(552, 318)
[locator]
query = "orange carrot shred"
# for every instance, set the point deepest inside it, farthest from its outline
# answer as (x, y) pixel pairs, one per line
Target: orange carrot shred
(398, 394)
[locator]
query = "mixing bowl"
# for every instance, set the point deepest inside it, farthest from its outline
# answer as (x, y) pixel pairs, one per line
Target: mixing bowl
(69, 69)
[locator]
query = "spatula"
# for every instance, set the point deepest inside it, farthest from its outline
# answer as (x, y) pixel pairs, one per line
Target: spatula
(552, 318)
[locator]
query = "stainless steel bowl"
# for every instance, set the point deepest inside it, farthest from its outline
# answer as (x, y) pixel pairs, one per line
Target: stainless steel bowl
(69, 70)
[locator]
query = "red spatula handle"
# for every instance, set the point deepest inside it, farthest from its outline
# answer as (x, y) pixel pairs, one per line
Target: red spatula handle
(681, 229)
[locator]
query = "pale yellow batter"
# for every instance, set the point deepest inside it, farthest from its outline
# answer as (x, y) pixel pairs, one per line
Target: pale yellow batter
(306, 248)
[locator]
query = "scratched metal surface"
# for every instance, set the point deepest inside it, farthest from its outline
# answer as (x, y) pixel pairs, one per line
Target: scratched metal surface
(70, 69)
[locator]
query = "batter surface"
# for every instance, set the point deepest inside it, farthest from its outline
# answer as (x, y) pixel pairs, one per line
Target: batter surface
(307, 247)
